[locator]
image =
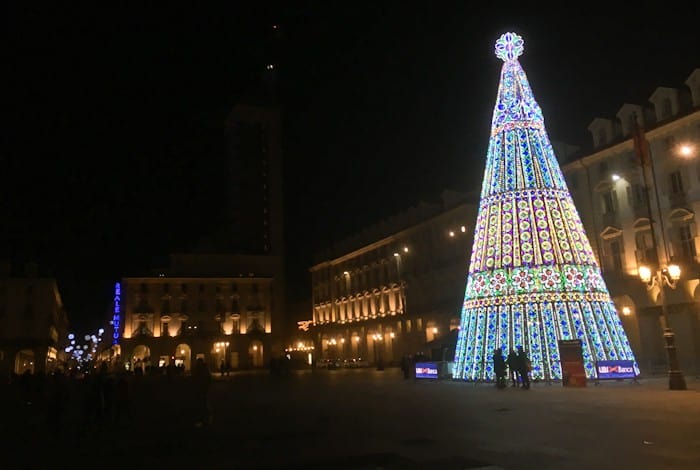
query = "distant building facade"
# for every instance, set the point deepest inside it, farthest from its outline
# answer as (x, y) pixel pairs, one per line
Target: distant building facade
(33, 323)
(394, 288)
(224, 309)
(610, 192)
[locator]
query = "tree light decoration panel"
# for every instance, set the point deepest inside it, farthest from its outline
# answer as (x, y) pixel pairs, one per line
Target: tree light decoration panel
(533, 278)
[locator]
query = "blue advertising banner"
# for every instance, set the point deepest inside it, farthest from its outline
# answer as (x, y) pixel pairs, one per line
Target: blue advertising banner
(615, 370)
(426, 370)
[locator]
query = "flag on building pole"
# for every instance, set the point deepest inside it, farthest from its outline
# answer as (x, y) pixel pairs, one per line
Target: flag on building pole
(641, 144)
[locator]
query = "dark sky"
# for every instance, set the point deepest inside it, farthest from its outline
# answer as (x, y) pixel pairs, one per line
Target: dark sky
(113, 138)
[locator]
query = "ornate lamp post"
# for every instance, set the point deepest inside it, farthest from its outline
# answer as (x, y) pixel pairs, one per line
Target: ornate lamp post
(377, 337)
(392, 335)
(667, 276)
(333, 351)
(224, 361)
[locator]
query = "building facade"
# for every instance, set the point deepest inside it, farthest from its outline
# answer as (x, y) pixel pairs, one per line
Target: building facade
(396, 287)
(200, 308)
(33, 323)
(645, 215)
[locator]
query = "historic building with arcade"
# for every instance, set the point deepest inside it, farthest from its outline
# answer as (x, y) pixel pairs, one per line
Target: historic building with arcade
(638, 193)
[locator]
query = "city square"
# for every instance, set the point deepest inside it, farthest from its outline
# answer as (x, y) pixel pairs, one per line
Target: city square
(301, 245)
(369, 419)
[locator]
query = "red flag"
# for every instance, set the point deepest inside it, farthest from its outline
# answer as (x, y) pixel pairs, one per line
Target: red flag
(641, 145)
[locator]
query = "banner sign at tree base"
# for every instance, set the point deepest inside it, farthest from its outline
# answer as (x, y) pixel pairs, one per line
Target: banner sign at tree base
(426, 370)
(615, 370)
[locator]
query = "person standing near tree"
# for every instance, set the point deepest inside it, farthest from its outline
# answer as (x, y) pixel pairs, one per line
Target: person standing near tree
(524, 367)
(499, 367)
(512, 362)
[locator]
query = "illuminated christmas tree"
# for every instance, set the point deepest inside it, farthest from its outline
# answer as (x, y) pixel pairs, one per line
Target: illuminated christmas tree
(533, 278)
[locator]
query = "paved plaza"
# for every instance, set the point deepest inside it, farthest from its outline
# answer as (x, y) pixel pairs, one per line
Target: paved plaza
(368, 419)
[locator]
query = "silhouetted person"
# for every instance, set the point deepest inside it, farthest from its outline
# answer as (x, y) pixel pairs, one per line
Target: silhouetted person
(512, 362)
(93, 398)
(107, 391)
(122, 400)
(201, 380)
(524, 367)
(499, 367)
(57, 395)
(406, 366)
(380, 363)
(26, 386)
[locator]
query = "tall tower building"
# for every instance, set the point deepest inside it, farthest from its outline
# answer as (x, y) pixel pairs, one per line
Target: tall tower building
(254, 165)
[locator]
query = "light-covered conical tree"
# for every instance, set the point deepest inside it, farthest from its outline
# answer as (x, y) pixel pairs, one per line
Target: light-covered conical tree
(533, 278)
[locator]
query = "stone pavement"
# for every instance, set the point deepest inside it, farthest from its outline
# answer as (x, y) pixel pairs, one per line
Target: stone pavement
(368, 419)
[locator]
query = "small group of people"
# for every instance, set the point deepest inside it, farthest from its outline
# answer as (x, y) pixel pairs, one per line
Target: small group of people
(224, 368)
(517, 363)
(408, 364)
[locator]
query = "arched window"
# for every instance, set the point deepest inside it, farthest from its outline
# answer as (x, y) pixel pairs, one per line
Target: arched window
(683, 234)
(686, 241)
(643, 242)
(613, 247)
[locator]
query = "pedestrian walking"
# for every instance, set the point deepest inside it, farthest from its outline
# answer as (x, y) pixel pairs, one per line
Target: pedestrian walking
(201, 381)
(122, 405)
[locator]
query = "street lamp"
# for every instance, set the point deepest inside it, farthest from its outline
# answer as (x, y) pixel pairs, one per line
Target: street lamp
(686, 150)
(377, 337)
(333, 348)
(670, 275)
(392, 335)
(400, 308)
(667, 276)
(224, 361)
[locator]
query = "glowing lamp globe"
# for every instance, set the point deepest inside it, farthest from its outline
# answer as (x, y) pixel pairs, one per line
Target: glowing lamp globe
(644, 273)
(674, 272)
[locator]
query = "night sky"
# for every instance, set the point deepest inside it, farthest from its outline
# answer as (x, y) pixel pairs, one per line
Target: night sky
(114, 128)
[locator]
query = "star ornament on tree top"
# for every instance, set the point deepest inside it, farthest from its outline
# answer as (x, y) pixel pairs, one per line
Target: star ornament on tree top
(509, 46)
